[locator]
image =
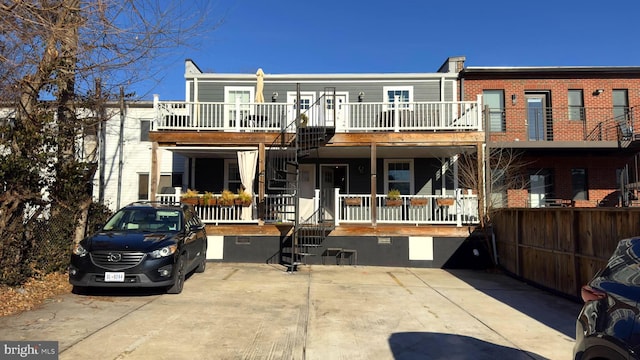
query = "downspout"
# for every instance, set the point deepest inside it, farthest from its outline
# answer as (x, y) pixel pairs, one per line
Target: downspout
(120, 145)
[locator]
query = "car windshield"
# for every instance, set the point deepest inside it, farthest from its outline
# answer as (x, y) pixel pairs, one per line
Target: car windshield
(147, 219)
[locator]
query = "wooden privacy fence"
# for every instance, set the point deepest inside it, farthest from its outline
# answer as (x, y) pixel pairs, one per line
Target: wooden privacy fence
(561, 248)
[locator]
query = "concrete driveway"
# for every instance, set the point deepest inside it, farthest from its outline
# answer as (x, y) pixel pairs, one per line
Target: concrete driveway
(256, 311)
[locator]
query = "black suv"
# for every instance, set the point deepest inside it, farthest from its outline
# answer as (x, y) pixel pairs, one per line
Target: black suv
(144, 244)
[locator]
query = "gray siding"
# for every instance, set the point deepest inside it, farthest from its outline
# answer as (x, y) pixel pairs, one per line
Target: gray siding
(423, 90)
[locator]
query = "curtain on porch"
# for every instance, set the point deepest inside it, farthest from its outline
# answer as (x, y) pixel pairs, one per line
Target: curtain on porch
(247, 162)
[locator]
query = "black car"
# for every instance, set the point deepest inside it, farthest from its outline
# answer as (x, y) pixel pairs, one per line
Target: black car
(608, 326)
(144, 244)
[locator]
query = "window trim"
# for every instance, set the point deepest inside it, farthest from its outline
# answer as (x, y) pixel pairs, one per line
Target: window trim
(503, 121)
(386, 89)
(227, 100)
(411, 173)
(580, 108)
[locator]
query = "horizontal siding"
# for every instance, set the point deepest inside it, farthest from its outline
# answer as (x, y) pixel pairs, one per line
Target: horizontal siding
(137, 157)
(424, 90)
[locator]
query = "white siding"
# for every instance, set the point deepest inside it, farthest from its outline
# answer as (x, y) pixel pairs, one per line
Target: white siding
(136, 156)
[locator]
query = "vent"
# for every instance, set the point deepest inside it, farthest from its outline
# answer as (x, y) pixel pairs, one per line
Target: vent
(243, 240)
(384, 241)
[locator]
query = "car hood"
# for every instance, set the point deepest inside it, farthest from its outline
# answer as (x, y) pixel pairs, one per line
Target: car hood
(130, 241)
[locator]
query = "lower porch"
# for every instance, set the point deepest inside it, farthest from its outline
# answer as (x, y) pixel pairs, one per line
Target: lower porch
(433, 246)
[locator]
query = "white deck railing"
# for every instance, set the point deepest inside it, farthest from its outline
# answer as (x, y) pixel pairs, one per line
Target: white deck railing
(410, 209)
(350, 208)
(352, 117)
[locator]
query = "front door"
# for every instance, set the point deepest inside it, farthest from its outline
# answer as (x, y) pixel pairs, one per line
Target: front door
(307, 183)
(536, 110)
(333, 176)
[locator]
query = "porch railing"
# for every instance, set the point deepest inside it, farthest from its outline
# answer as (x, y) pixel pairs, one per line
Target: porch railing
(215, 214)
(563, 124)
(353, 117)
(410, 209)
(349, 208)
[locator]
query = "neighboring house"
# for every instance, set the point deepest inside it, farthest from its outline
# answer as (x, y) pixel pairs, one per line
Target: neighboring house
(575, 127)
(320, 153)
(124, 172)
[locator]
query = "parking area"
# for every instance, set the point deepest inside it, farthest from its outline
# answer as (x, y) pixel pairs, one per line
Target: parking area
(259, 311)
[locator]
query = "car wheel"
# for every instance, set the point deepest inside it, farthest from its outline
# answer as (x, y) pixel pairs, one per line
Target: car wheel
(202, 265)
(176, 288)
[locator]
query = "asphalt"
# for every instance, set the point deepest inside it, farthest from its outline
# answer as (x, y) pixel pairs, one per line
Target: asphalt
(259, 311)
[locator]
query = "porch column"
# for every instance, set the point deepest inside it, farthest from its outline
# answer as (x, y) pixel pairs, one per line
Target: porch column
(261, 169)
(482, 176)
(374, 181)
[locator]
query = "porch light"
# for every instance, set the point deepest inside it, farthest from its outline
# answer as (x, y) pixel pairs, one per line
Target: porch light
(361, 96)
(274, 96)
(514, 98)
(597, 92)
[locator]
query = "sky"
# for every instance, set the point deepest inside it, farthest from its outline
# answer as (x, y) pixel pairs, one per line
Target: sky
(373, 36)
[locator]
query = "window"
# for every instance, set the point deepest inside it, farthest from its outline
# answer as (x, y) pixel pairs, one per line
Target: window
(399, 175)
(579, 184)
(576, 105)
(143, 186)
(620, 103)
(145, 126)
(402, 94)
(232, 175)
(494, 99)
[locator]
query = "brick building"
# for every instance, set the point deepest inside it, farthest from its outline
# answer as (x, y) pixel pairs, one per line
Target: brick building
(574, 129)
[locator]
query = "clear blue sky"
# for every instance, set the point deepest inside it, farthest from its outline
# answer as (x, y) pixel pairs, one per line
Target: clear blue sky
(372, 36)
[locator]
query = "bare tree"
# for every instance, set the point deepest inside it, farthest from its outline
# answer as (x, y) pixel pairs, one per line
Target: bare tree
(505, 169)
(52, 55)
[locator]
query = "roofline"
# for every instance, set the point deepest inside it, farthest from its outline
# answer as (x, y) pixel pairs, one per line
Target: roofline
(549, 69)
(343, 76)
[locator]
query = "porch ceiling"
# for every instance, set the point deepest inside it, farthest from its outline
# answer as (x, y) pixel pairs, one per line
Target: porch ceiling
(388, 152)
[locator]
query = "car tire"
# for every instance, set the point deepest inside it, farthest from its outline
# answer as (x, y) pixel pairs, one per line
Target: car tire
(202, 265)
(177, 286)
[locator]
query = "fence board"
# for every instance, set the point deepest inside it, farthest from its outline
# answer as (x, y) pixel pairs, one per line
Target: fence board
(561, 248)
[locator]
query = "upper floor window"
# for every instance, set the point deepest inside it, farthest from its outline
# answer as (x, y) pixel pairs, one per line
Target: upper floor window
(620, 103)
(494, 99)
(398, 94)
(145, 127)
(576, 105)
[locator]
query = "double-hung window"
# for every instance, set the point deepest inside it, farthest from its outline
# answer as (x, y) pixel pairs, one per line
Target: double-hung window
(576, 105)
(494, 99)
(399, 175)
(621, 110)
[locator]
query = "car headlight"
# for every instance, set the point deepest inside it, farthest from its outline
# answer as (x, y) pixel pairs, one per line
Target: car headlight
(164, 252)
(79, 250)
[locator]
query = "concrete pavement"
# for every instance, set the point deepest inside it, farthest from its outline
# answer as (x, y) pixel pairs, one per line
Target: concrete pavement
(258, 311)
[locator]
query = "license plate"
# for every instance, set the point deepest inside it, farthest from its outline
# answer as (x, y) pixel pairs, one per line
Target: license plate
(114, 277)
